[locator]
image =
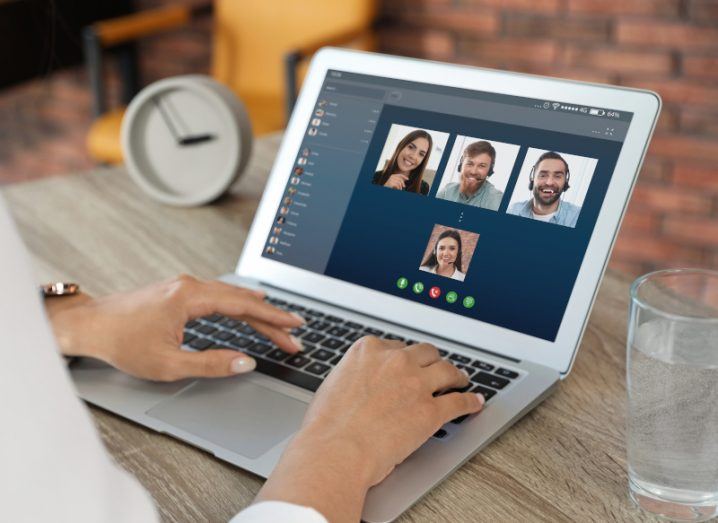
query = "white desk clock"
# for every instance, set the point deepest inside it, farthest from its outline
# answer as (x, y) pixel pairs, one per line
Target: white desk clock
(186, 139)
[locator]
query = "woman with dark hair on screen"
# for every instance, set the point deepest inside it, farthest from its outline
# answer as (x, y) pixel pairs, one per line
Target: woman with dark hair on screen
(445, 257)
(405, 168)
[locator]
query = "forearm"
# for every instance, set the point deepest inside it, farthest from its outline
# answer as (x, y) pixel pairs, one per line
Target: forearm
(323, 473)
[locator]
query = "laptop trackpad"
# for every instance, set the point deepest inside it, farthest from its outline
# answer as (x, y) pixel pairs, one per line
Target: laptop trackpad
(233, 413)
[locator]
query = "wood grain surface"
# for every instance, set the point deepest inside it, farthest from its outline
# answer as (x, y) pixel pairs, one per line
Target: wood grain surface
(565, 461)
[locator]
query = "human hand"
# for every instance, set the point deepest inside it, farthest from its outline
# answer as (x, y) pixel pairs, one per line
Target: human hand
(381, 397)
(372, 411)
(140, 332)
(397, 181)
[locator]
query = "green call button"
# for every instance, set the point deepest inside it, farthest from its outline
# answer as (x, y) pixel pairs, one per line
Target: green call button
(418, 288)
(451, 297)
(402, 283)
(469, 302)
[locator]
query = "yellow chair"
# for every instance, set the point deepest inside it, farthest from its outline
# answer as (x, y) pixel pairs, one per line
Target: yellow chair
(259, 51)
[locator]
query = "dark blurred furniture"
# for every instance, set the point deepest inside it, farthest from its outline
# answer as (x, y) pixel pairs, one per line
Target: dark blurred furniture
(39, 36)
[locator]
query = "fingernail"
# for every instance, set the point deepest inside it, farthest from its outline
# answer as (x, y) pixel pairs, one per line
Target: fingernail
(242, 365)
(481, 399)
(465, 373)
(300, 318)
(297, 343)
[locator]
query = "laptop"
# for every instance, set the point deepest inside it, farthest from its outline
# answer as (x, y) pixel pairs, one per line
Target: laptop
(469, 208)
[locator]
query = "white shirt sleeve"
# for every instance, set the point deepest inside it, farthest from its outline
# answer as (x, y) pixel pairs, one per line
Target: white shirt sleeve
(273, 511)
(53, 466)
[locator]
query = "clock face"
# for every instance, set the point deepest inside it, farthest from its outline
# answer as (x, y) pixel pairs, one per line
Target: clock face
(183, 141)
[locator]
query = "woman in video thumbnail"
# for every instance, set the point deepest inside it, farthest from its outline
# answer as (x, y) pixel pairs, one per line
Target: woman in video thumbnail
(405, 168)
(445, 257)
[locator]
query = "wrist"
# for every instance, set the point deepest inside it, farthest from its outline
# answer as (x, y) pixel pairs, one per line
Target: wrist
(321, 471)
(67, 316)
(337, 453)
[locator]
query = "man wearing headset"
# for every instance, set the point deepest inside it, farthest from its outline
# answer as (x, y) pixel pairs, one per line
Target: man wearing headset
(548, 181)
(474, 188)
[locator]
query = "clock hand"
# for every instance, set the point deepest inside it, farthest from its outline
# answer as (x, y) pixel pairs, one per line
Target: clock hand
(166, 118)
(197, 139)
(185, 140)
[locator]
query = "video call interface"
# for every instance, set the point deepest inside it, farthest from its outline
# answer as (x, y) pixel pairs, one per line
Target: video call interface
(426, 196)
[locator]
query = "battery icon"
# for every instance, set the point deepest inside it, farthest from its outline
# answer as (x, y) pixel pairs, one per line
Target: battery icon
(597, 112)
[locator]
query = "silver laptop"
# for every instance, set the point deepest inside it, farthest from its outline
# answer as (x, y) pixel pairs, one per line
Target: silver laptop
(469, 208)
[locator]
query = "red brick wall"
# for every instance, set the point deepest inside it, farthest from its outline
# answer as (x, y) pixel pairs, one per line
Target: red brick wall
(670, 46)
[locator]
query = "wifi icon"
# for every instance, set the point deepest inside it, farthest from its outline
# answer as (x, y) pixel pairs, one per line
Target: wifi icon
(555, 105)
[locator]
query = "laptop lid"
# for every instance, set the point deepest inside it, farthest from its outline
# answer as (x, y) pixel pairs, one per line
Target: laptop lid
(475, 205)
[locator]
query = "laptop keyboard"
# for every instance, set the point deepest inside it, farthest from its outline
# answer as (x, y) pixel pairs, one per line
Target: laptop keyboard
(326, 338)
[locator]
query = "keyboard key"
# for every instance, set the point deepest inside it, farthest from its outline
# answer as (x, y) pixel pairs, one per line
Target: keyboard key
(288, 374)
(214, 318)
(506, 373)
(313, 337)
(390, 336)
(440, 434)
(322, 354)
(482, 365)
(319, 325)
(299, 332)
(200, 344)
(277, 355)
(484, 378)
(259, 348)
(469, 370)
(192, 324)
(224, 335)
(295, 307)
(297, 360)
(411, 342)
(245, 329)
(230, 323)
(240, 342)
(332, 343)
(206, 329)
(187, 338)
(337, 331)
(344, 348)
(317, 368)
(352, 325)
(373, 332)
(459, 358)
(333, 319)
(443, 353)
(487, 393)
(315, 313)
(459, 419)
(337, 359)
(354, 336)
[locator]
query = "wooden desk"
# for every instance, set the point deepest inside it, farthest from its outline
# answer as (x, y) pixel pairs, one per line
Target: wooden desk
(565, 461)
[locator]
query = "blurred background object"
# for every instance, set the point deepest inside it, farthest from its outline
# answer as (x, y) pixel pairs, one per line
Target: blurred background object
(670, 46)
(259, 50)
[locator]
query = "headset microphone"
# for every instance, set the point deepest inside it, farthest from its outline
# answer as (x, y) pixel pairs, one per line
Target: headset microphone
(461, 164)
(549, 156)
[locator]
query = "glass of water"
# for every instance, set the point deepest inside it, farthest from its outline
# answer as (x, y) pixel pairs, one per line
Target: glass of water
(672, 373)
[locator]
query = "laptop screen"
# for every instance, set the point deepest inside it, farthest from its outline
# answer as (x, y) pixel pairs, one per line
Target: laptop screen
(476, 203)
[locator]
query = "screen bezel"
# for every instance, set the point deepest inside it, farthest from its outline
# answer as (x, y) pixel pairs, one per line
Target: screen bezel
(559, 354)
